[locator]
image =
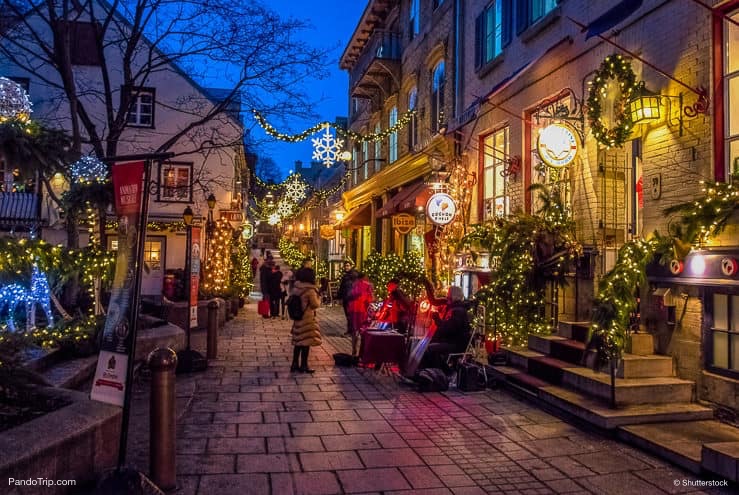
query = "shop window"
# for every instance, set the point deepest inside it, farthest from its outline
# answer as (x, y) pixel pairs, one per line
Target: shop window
(413, 124)
(414, 21)
(153, 254)
(365, 152)
(355, 167)
(140, 107)
(175, 182)
(495, 147)
(530, 11)
(725, 332)
(731, 92)
(437, 96)
(392, 139)
(492, 32)
(378, 149)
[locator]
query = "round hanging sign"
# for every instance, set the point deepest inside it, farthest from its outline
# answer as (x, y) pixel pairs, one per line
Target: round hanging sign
(441, 209)
(557, 144)
(327, 232)
(247, 231)
(729, 267)
(404, 223)
(676, 267)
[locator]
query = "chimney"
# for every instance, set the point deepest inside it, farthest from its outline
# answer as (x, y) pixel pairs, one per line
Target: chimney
(298, 165)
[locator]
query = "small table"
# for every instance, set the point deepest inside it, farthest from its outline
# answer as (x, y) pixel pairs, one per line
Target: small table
(382, 347)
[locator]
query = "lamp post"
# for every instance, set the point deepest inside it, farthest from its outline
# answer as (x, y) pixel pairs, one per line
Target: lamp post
(187, 359)
(210, 225)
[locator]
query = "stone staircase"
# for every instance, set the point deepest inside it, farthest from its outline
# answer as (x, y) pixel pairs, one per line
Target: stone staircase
(650, 399)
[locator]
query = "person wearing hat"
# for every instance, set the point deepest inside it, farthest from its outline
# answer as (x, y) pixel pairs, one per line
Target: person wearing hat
(348, 278)
(452, 331)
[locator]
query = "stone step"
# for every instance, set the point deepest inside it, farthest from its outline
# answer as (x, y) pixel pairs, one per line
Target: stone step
(651, 366)
(721, 458)
(654, 390)
(71, 374)
(594, 411)
(684, 443)
(575, 330)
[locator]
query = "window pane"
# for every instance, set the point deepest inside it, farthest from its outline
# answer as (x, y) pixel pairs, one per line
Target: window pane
(499, 184)
(501, 206)
(734, 340)
(489, 182)
(734, 314)
(731, 63)
(720, 311)
(733, 100)
(720, 349)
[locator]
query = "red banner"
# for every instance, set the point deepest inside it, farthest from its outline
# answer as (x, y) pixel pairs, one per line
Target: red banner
(128, 186)
(194, 276)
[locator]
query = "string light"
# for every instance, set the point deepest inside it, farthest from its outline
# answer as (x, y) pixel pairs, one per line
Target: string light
(613, 67)
(14, 102)
(326, 147)
(88, 170)
(218, 265)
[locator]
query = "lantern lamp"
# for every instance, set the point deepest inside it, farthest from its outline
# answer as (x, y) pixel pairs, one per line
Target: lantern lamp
(187, 216)
(211, 200)
(644, 106)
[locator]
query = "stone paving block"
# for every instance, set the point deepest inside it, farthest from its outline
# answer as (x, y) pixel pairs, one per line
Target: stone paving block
(241, 445)
(307, 406)
(349, 442)
(330, 461)
(316, 483)
(369, 480)
(618, 484)
(267, 463)
(238, 397)
(338, 415)
(390, 457)
(295, 417)
(238, 417)
(390, 440)
(205, 464)
(564, 486)
(316, 429)
(209, 406)
(234, 484)
(610, 461)
(369, 426)
(294, 444)
(263, 430)
(421, 477)
(258, 406)
(208, 431)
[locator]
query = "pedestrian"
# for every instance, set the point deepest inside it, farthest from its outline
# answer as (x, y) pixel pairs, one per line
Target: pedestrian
(254, 267)
(345, 289)
(288, 279)
(305, 332)
(307, 264)
(396, 307)
(264, 272)
(274, 290)
(452, 334)
(360, 299)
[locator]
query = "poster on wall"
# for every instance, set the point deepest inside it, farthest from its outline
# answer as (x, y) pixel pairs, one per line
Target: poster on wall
(109, 383)
(194, 276)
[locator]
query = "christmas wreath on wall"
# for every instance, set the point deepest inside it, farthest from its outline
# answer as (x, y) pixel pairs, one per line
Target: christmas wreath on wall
(613, 67)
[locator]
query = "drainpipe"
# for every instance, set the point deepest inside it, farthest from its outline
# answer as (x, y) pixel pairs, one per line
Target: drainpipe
(458, 65)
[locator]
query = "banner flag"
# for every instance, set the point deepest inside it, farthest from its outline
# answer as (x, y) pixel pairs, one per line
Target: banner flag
(194, 276)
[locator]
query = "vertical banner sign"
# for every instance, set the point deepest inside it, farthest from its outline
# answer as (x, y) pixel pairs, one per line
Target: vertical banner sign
(110, 376)
(194, 276)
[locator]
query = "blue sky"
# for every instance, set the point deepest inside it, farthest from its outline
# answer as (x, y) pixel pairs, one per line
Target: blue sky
(333, 23)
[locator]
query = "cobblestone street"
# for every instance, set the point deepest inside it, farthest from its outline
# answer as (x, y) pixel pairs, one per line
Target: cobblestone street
(252, 427)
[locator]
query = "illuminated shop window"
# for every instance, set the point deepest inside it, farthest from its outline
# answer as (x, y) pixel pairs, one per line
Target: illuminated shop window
(494, 162)
(725, 332)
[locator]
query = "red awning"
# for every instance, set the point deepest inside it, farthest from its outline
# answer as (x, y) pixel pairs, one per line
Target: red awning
(418, 196)
(358, 217)
(404, 197)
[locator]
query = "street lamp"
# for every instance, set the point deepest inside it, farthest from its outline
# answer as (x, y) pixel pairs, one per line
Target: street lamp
(189, 360)
(210, 225)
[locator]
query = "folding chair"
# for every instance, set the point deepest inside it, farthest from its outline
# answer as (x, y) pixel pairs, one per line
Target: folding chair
(474, 346)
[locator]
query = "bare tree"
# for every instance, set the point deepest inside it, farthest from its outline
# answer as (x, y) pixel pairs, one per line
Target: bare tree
(93, 53)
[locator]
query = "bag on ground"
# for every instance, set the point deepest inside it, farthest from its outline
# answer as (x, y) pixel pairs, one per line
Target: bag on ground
(263, 307)
(432, 380)
(345, 360)
(295, 307)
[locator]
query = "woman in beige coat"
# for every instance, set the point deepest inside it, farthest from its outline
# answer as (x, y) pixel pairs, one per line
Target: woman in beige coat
(305, 331)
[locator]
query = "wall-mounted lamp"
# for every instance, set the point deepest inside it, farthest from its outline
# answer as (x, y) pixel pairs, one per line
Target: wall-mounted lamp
(644, 106)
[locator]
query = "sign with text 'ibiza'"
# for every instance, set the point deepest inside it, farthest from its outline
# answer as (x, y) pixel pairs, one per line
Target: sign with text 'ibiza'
(441, 208)
(404, 223)
(557, 144)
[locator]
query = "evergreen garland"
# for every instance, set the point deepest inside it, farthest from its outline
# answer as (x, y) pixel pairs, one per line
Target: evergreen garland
(618, 68)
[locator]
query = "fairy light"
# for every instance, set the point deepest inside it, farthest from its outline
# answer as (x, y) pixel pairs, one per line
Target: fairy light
(88, 170)
(218, 266)
(14, 102)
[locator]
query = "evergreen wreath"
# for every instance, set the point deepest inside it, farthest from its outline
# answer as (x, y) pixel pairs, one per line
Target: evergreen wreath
(618, 68)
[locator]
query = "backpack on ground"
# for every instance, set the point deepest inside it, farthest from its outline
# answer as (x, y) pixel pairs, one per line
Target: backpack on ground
(432, 380)
(345, 360)
(295, 308)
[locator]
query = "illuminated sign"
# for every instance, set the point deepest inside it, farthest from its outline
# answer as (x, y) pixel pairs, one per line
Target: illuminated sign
(441, 209)
(404, 223)
(247, 231)
(557, 145)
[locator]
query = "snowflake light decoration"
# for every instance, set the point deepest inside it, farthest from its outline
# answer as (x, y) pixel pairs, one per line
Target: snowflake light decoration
(87, 170)
(273, 219)
(295, 189)
(14, 102)
(327, 148)
(285, 208)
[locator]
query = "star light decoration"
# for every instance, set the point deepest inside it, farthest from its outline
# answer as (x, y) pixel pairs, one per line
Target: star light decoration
(295, 188)
(285, 208)
(14, 102)
(88, 170)
(326, 149)
(273, 219)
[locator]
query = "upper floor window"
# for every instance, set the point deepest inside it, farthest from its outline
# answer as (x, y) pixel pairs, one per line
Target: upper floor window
(413, 124)
(492, 31)
(438, 77)
(378, 149)
(365, 152)
(530, 11)
(355, 166)
(495, 153)
(175, 181)
(437, 3)
(731, 93)
(414, 21)
(392, 140)
(140, 107)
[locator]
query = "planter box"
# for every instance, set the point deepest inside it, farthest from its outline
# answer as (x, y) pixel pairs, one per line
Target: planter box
(77, 442)
(177, 313)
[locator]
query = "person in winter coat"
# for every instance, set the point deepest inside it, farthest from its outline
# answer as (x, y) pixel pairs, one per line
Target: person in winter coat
(305, 332)
(344, 293)
(254, 267)
(360, 299)
(274, 290)
(452, 331)
(288, 279)
(396, 307)
(264, 273)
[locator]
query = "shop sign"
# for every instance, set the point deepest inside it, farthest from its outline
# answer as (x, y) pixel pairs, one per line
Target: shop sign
(441, 209)
(404, 223)
(557, 145)
(247, 231)
(327, 232)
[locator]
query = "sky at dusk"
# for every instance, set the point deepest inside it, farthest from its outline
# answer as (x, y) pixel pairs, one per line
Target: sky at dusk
(333, 23)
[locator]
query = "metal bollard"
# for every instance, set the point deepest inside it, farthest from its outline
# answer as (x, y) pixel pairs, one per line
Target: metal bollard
(212, 352)
(162, 419)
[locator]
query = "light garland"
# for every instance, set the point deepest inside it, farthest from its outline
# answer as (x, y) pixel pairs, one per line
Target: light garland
(88, 170)
(618, 68)
(218, 265)
(409, 270)
(326, 148)
(14, 102)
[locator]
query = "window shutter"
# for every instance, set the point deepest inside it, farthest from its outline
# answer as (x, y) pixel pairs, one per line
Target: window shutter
(479, 39)
(507, 22)
(522, 15)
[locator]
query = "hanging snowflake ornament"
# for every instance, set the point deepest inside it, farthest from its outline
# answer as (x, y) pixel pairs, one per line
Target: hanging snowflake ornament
(273, 219)
(295, 189)
(14, 102)
(285, 208)
(88, 170)
(327, 148)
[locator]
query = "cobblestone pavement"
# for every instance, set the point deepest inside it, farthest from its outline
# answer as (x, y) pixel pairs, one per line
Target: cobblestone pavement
(252, 427)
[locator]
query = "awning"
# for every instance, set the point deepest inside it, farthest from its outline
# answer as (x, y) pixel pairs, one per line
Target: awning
(358, 217)
(612, 17)
(419, 196)
(395, 203)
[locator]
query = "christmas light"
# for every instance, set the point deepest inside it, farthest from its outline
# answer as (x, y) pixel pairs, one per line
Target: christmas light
(327, 148)
(88, 170)
(14, 102)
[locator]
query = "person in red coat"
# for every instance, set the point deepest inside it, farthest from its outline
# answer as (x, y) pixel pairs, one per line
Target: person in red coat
(359, 300)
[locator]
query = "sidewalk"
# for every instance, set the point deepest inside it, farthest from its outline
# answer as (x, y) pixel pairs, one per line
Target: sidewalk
(249, 426)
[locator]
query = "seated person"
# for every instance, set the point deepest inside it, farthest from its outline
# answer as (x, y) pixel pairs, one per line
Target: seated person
(452, 331)
(396, 308)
